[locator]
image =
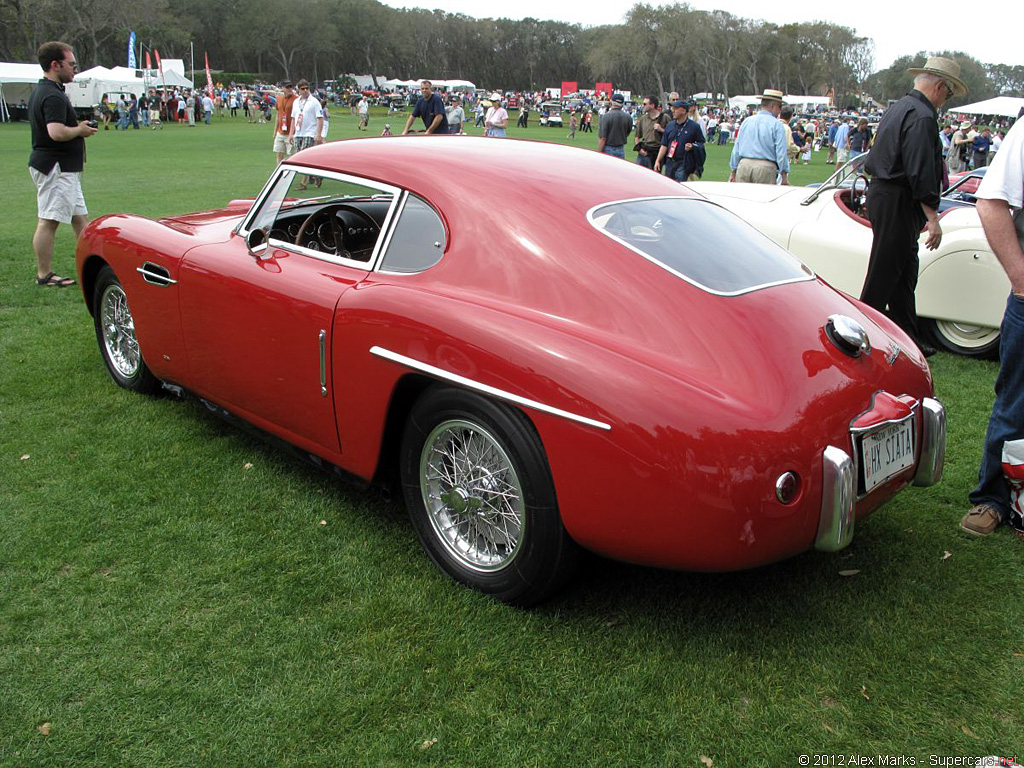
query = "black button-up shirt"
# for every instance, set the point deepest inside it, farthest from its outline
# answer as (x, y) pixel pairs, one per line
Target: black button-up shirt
(907, 150)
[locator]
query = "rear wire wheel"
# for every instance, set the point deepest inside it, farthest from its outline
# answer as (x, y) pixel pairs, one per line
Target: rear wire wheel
(478, 489)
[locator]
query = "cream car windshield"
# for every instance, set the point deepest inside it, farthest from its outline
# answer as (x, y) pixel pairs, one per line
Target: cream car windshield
(842, 178)
(700, 242)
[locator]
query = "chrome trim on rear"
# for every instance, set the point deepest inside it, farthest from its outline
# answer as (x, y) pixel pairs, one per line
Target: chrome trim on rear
(838, 500)
(933, 443)
(501, 394)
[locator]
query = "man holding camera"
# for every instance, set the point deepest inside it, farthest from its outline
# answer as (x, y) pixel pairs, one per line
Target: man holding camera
(57, 159)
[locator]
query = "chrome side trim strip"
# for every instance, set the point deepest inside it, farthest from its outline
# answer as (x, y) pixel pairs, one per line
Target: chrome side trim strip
(323, 362)
(933, 443)
(387, 354)
(155, 275)
(838, 499)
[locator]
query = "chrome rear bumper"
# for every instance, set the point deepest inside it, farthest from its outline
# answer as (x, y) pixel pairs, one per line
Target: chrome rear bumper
(933, 443)
(838, 501)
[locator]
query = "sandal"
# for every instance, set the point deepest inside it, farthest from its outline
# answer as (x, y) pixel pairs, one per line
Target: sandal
(53, 280)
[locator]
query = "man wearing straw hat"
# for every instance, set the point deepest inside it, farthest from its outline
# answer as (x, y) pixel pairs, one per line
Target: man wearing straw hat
(905, 164)
(760, 153)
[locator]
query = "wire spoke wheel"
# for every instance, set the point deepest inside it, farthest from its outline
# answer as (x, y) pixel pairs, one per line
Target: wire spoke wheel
(119, 331)
(472, 494)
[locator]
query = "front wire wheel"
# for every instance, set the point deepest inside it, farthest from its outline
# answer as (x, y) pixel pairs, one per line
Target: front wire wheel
(115, 334)
(480, 496)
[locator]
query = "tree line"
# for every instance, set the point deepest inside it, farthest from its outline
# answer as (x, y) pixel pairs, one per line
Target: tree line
(654, 50)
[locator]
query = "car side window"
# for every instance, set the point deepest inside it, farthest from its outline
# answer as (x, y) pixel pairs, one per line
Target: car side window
(335, 217)
(418, 241)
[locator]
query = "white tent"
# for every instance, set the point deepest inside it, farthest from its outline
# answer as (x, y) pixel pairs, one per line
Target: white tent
(739, 102)
(1004, 106)
(16, 83)
(88, 87)
(396, 83)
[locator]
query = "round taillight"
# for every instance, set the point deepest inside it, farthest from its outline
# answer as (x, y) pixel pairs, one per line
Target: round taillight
(787, 487)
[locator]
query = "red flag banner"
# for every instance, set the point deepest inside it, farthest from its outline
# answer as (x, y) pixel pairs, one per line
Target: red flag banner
(569, 88)
(603, 91)
(209, 79)
(149, 63)
(159, 64)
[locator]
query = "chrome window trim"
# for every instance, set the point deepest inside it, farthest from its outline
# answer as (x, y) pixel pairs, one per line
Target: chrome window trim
(808, 272)
(398, 215)
(486, 389)
(385, 229)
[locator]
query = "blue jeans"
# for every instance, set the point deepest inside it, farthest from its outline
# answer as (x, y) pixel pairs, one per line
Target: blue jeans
(647, 161)
(208, 118)
(1007, 420)
(619, 152)
(675, 169)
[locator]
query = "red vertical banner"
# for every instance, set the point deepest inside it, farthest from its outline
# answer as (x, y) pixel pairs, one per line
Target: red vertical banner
(149, 64)
(603, 91)
(209, 79)
(569, 88)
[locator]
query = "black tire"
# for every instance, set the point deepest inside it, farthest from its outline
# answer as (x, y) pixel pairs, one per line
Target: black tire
(115, 334)
(961, 339)
(495, 475)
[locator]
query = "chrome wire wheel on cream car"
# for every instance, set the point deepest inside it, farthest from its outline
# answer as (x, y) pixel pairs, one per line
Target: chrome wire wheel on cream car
(115, 332)
(479, 493)
(965, 338)
(472, 495)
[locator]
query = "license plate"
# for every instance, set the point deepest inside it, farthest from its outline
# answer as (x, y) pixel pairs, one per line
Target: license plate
(887, 452)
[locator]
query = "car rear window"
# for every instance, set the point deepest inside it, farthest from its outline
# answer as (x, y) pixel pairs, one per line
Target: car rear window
(700, 242)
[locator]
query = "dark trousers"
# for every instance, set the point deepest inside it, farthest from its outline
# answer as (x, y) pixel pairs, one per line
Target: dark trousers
(1007, 420)
(896, 221)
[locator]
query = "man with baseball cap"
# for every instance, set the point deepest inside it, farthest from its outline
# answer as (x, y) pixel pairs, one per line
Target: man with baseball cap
(905, 164)
(759, 154)
(678, 144)
(614, 129)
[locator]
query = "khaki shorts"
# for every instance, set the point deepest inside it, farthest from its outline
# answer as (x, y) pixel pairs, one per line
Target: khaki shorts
(842, 154)
(59, 195)
(283, 145)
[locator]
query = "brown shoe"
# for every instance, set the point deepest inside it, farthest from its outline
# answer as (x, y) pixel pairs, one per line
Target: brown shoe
(981, 520)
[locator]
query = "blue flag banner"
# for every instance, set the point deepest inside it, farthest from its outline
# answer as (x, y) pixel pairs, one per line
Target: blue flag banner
(131, 51)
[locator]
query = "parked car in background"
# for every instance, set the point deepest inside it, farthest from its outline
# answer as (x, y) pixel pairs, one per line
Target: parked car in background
(539, 363)
(961, 289)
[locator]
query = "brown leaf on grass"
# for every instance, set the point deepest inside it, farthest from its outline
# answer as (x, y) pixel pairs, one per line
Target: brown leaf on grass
(829, 702)
(1018, 655)
(25, 457)
(37, 649)
(44, 729)
(908, 530)
(851, 572)
(707, 761)
(323, 522)
(946, 554)
(428, 743)
(864, 693)
(969, 732)
(613, 620)
(828, 727)
(247, 466)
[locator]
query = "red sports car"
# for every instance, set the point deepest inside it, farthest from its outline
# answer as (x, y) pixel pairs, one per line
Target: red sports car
(547, 365)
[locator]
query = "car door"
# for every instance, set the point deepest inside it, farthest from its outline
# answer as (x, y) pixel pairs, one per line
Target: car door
(257, 322)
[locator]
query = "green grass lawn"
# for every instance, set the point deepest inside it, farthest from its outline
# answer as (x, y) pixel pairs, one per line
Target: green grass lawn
(174, 592)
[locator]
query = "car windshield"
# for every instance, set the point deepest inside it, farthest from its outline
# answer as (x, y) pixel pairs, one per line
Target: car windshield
(842, 178)
(700, 242)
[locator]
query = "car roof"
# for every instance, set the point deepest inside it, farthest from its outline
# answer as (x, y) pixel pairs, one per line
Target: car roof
(506, 179)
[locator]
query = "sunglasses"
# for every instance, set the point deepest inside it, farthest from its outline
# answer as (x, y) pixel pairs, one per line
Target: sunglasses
(949, 90)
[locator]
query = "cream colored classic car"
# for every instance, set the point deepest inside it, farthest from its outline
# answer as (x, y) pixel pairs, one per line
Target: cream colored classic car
(961, 289)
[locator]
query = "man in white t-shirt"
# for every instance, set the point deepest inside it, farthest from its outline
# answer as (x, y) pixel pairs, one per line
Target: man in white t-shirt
(1000, 190)
(307, 119)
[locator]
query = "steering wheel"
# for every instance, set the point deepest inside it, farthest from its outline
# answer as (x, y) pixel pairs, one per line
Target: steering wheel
(330, 213)
(859, 193)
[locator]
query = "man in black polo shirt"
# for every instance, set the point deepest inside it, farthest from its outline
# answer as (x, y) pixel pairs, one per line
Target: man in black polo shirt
(57, 159)
(681, 144)
(905, 164)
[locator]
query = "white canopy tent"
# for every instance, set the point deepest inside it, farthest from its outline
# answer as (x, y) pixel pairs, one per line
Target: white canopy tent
(88, 87)
(740, 102)
(1004, 106)
(16, 83)
(450, 84)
